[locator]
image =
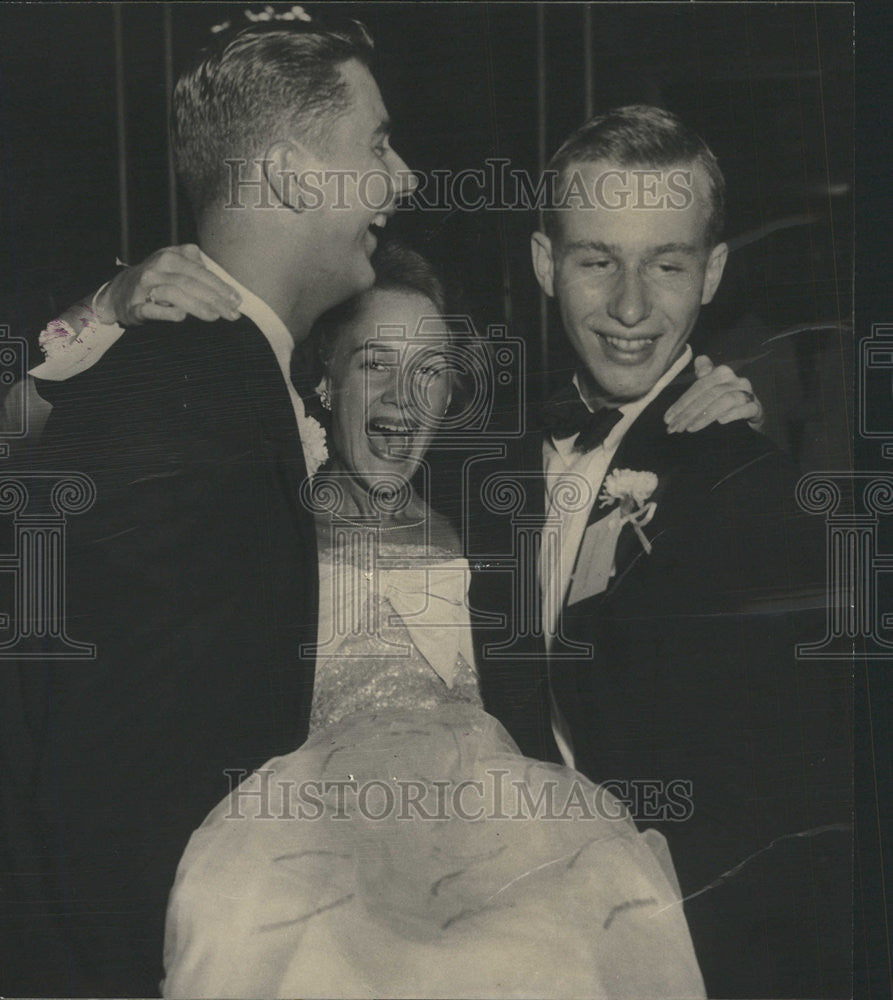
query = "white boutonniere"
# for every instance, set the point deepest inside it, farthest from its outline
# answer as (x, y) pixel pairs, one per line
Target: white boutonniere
(313, 441)
(630, 490)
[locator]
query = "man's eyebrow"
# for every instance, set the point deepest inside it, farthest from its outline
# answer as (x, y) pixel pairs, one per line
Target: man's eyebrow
(596, 245)
(687, 248)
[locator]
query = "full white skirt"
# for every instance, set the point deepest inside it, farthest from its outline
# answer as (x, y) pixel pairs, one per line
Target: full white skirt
(419, 854)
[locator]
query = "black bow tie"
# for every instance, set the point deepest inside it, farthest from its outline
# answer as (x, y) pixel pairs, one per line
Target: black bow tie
(567, 414)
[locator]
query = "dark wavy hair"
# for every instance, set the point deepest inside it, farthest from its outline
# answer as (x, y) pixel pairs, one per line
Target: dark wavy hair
(256, 85)
(638, 135)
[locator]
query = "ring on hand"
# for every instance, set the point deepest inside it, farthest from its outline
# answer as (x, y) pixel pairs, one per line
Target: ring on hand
(150, 296)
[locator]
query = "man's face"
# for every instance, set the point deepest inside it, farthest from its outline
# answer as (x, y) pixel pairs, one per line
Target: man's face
(630, 274)
(352, 188)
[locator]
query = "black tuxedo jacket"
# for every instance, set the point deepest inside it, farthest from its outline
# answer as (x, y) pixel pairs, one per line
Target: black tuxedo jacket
(195, 575)
(694, 706)
(690, 705)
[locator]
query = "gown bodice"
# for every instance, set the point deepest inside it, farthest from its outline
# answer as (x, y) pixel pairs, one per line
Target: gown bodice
(394, 630)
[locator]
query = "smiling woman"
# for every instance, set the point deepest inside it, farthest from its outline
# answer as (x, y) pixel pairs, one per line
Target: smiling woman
(393, 367)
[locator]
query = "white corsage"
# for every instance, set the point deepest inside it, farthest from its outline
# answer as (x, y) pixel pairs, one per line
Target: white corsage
(630, 490)
(56, 338)
(69, 349)
(313, 442)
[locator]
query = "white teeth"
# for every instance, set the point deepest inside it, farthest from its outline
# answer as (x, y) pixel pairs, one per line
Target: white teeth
(628, 346)
(390, 428)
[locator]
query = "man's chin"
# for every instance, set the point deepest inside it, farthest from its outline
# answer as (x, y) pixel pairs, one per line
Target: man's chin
(607, 390)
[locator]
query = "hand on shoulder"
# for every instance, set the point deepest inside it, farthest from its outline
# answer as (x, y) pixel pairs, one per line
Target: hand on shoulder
(718, 395)
(168, 285)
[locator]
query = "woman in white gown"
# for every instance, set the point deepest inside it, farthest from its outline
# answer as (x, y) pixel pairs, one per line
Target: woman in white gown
(407, 848)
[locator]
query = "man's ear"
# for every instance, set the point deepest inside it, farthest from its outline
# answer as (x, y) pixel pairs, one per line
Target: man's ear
(716, 264)
(283, 164)
(543, 262)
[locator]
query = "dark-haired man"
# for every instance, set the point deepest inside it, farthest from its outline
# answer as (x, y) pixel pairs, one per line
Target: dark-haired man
(676, 573)
(195, 571)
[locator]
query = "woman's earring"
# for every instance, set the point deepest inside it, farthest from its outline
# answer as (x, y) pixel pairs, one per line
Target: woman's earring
(324, 398)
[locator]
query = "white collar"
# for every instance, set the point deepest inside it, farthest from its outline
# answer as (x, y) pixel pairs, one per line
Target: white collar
(262, 315)
(632, 409)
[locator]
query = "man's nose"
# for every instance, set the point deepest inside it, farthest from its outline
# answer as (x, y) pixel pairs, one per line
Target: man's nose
(405, 181)
(629, 304)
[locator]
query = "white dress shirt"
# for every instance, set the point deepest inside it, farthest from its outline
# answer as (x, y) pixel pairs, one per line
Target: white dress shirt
(568, 472)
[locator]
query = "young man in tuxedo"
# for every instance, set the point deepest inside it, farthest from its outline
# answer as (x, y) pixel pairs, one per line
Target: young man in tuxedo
(195, 571)
(673, 593)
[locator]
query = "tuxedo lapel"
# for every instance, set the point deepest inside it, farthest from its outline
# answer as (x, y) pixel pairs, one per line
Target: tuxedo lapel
(532, 463)
(640, 451)
(278, 442)
(646, 447)
(273, 414)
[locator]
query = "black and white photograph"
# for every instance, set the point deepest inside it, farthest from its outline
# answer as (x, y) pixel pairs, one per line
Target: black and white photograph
(434, 560)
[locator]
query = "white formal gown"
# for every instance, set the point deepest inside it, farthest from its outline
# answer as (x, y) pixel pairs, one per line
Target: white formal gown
(408, 849)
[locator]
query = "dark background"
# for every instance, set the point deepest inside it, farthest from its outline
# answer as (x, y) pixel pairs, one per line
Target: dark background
(769, 86)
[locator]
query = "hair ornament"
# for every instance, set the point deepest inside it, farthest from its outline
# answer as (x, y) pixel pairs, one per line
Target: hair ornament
(294, 13)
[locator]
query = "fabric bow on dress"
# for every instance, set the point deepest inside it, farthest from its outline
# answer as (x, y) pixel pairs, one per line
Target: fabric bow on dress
(429, 599)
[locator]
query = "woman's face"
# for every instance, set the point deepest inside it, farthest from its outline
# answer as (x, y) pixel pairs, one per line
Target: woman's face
(390, 384)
